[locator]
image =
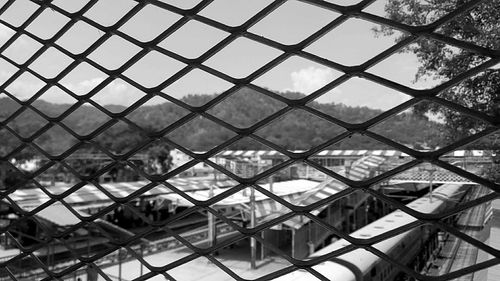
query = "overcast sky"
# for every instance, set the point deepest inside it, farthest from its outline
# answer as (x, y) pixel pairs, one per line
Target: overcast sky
(352, 43)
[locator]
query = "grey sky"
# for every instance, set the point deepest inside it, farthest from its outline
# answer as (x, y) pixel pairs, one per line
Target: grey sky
(352, 43)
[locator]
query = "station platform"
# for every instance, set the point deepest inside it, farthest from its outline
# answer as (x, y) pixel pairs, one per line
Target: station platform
(235, 258)
(481, 223)
(6, 254)
(493, 240)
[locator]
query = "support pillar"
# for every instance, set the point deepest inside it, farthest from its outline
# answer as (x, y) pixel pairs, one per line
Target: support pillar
(366, 207)
(212, 230)
(253, 243)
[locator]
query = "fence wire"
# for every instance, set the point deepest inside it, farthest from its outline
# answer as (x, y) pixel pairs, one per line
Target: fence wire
(413, 33)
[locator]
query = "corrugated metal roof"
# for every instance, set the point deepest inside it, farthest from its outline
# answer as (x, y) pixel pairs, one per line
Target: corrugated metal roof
(282, 189)
(348, 152)
(29, 198)
(360, 170)
(58, 214)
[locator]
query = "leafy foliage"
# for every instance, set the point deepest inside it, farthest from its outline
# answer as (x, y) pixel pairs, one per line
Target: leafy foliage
(479, 25)
(159, 158)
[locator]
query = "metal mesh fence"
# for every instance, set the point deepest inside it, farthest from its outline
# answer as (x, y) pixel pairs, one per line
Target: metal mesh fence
(131, 245)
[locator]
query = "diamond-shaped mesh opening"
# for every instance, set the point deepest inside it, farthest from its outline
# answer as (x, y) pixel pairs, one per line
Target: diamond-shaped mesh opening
(431, 128)
(155, 158)
(28, 159)
(8, 70)
(118, 89)
(284, 18)
(466, 29)
(71, 7)
(243, 11)
(27, 123)
(297, 75)
(82, 79)
(56, 140)
(38, 28)
(292, 135)
(157, 114)
(144, 19)
(54, 95)
(153, 69)
(472, 158)
(421, 17)
(19, 12)
(56, 174)
(341, 98)
(203, 38)
(79, 37)
(107, 56)
(22, 49)
(255, 103)
(255, 56)
(25, 86)
(10, 142)
(56, 59)
(464, 244)
(9, 106)
(408, 79)
(197, 87)
(87, 160)
(194, 134)
(236, 260)
(120, 138)
(245, 163)
(484, 102)
(187, 140)
(357, 44)
(80, 124)
(108, 19)
(418, 180)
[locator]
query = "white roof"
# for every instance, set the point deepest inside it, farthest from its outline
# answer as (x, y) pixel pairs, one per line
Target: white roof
(243, 196)
(477, 153)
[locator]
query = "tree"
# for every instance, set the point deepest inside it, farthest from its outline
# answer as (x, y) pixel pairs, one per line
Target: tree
(10, 176)
(159, 158)
(479, 25)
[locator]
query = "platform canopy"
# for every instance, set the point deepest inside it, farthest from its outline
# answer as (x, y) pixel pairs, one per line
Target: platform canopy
(59, 215)
(339, 153)
(90, 194)
(360, 170)
(287, 190)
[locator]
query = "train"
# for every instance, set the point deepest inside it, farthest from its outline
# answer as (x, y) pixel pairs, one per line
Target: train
(406, 248)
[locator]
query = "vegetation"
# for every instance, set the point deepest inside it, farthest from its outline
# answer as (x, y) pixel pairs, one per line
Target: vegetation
(296, 130)
(159, 158)
(479, 25)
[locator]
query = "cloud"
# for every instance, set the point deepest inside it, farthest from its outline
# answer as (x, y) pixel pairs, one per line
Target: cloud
(117, 92)
(83, 87)
(5, 33)
(354, 92)
(24, 87)
(308, 80)
(361, 92)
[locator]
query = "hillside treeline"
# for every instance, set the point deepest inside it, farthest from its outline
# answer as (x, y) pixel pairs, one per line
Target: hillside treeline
(297, 130)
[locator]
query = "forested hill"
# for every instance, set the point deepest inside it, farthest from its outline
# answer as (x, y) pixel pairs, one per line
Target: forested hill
(298, 129)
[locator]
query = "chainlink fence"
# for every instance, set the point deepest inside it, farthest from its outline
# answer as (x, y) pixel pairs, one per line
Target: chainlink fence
(134, 245)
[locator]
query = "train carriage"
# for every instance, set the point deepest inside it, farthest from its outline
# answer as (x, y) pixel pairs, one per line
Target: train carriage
(361, 264)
